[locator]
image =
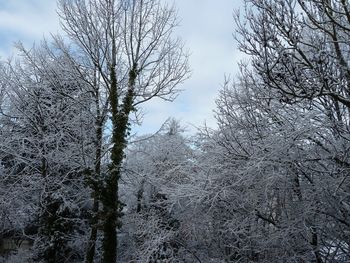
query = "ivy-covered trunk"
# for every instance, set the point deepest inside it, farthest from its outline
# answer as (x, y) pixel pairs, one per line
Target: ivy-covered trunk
(112, 206)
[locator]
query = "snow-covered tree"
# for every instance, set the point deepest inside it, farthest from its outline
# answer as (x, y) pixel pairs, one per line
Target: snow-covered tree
(270, 182)
(299, 50)
(154, 167)
(45, 136)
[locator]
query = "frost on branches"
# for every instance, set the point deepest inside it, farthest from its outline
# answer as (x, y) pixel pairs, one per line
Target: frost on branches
(269, 184)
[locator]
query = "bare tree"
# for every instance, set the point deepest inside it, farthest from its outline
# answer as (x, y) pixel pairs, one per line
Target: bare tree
(131, 45)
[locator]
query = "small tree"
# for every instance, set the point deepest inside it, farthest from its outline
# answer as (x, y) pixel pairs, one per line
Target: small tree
(154, 166)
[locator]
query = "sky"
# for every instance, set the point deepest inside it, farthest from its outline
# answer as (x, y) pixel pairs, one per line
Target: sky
(206, 26)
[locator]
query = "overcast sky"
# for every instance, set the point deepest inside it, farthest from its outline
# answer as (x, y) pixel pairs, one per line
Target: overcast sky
(206, 28)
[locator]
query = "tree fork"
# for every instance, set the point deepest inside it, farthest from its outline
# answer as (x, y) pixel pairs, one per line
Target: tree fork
(120, 120)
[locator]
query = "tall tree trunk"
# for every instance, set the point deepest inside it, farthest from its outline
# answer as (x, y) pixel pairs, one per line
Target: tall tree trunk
(120, 120)
(91, 247)
(140, 196)
(314, 243)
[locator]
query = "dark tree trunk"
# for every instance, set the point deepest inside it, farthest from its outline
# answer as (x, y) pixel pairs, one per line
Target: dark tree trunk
(120, 120)
(139, 197)
(91, 247)
(314, 243)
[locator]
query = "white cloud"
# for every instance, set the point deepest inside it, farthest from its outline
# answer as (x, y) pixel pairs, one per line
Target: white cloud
(26, 21)
(206, 27)
(32, 12)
